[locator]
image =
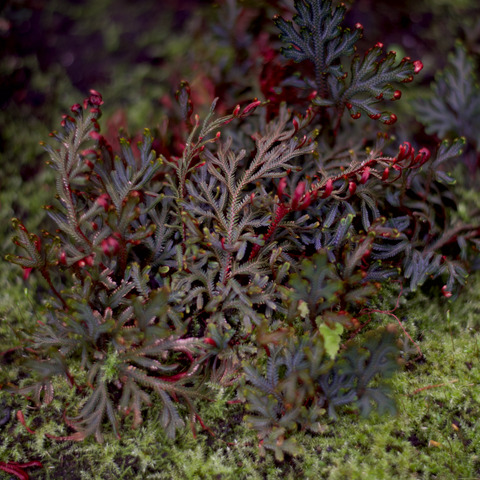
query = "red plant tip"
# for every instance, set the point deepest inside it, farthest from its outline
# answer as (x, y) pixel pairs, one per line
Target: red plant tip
(251, 106)
(77, 108)
(365, 176)
(356, 116)
(312, 95)
(404, 151)
(89, 260)
(352, 188)
(418, 66)
(217, 136)
(391, 120)
(397, 95)
(63, 258)
(104, 201)
(359, 26)
(210, 341)
(110, 246)
(385, 174)
(408, 79)
(375, 116)
(379, 45)
(307, 200)
(95, 98)
(282, 185)
(27, 272)
(222, 241)
(379, 96)
(446, 293)
(236, 111)
(295, 125)
(422, 156)
(94, 226)
(405, 59)
(21, 419)
(95, 136)
(298, 194)
(348, 105)
(328, 189)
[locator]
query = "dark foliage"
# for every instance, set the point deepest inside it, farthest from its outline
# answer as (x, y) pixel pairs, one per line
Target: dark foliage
(245, 257)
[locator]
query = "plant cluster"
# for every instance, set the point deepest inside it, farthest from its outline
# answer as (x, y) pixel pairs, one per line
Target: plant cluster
(242, 261)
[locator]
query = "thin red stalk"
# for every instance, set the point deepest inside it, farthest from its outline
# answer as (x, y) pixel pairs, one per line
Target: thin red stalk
(280, 214)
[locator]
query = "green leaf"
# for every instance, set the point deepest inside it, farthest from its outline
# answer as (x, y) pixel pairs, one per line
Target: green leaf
(331, 337)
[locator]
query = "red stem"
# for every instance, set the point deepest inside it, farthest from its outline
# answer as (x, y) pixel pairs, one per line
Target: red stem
(280, 214)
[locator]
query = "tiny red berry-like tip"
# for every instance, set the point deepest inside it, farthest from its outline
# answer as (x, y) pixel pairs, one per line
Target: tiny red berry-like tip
(95, 135)
(352, 187)
(210, 341)
(63, 258)
(375, 116)
(76, 108)
(418, 66)
(391, 120)
(328, 188)
(365, 175)
(282, 185)
(356, 116)
(445, 292)
(379, 45)
(298, 194)
(397, 94)
(359, 26)
(27, 272)
(385, 174)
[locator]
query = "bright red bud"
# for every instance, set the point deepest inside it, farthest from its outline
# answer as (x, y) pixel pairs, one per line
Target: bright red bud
(418, 66)
(404, 151)
(63, 258)
(397, 94)
(422, 156)
(251, 106)
(391, 120)
(356, 116)
(27, 272)
(385, 174)
(365, 176)
(110, 246)
(328, 189)
(95, 136)
(77, 108)
(104, 201)
(282, 185)
(445, 292)
(298, 194)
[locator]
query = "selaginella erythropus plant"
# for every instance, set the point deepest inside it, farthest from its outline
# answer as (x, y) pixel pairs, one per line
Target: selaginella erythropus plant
(253, 254)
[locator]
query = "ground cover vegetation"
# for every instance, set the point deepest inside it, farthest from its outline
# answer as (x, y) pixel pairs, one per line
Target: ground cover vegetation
(283, 254)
